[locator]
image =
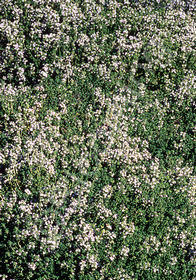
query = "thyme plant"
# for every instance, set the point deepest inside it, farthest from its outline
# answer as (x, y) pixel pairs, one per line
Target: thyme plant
(97, 139)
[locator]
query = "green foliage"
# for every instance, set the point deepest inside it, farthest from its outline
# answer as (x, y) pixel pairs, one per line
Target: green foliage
(97, 140)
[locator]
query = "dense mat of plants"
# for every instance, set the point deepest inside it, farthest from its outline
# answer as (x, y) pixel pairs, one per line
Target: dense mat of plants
(97, 139)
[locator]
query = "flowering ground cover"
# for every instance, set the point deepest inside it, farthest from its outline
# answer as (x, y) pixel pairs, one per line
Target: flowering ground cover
(97, 139)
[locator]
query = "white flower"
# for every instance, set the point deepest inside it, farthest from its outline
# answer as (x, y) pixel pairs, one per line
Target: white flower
(82, 264)
(28, 191)
(32, 266)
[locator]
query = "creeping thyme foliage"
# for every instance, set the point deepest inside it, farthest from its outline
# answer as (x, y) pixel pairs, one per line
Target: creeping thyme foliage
(97, 139)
